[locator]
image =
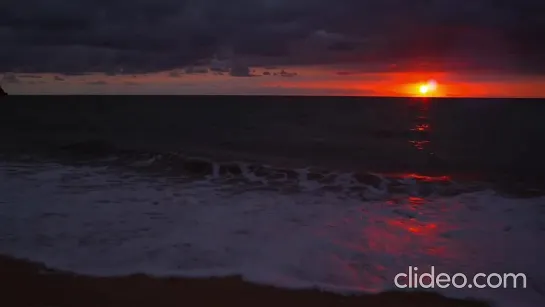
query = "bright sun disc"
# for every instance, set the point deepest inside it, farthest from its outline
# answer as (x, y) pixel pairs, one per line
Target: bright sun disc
(424, 89)
(428, 87)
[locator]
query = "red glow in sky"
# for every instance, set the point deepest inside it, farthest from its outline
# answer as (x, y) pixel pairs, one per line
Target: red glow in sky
(309, 80)
(418, 84)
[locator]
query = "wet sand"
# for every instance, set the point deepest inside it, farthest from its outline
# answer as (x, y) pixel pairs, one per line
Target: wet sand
(24, 283)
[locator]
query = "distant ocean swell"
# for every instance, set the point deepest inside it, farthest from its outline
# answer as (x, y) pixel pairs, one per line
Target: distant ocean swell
(253, 175)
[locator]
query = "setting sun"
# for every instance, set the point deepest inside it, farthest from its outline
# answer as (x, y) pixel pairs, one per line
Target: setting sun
(424, 89)
(427, 88)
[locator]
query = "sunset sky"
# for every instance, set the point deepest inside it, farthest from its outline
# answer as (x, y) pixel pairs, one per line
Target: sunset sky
(479, 48)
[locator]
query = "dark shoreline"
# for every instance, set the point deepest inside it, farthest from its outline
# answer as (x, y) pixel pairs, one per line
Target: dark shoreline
(26, 283)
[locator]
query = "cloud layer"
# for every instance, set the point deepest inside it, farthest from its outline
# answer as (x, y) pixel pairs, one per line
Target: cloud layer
(136, 36)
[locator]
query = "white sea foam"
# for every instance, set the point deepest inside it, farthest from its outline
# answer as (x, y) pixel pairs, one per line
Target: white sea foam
(94, 221)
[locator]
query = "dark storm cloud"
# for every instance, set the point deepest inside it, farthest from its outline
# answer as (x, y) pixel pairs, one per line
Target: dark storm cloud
(97, 83)
(346, 73)
(140, 36)
(284, 73)
(31, 76)
(343, 46)
(175, 74)
(195, 70)
(240, 70)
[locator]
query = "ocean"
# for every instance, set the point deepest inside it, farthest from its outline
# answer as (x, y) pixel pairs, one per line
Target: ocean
(338, 193)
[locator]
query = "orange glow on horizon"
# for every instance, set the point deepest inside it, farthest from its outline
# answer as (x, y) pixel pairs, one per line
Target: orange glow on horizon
(322, 80)
(411, 84)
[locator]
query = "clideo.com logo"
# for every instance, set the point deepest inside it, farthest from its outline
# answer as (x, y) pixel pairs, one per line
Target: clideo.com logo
(429, 280)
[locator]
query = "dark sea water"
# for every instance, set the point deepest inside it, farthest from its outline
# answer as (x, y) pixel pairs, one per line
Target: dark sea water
(476, 137)
(334, 192)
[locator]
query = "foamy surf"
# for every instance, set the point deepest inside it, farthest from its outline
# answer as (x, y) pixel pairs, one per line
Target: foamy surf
(93, 220)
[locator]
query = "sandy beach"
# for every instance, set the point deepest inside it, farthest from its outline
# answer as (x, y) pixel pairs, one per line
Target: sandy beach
(25, 283)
